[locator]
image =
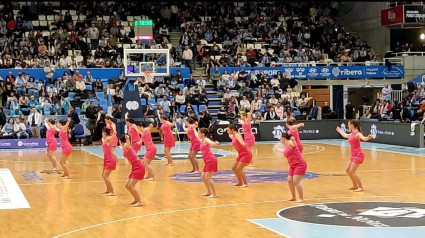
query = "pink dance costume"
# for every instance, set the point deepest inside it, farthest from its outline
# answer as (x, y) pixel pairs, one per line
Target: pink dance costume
(169, 141)
(244, 153)
(137, 166)
(357, 154)
(195, 143)
(52, 144)
(297, 164)
(109, 162)
(65, 145)
(248, 137)
(114, 141)
(149, 146)
(210, 160)
(296, 135)
(135, 138)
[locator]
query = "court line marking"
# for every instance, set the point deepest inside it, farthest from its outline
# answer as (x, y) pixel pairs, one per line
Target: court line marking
(215, 206)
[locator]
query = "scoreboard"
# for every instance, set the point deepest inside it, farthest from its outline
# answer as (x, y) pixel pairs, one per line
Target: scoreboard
(143, 29)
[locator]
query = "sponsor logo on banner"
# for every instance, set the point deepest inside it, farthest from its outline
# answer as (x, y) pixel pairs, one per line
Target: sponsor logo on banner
(222, 131)
(278, 131)
(300, 72)
(392, 16)
(132, 105)
(308, 131)
(414, 14)
(335, 72)
(373, 131)
(5, 144)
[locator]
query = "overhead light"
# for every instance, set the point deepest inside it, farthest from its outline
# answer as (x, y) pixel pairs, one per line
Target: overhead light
(422, 36)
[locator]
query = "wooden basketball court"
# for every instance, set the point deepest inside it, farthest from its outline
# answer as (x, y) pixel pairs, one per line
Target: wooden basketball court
(173, 208)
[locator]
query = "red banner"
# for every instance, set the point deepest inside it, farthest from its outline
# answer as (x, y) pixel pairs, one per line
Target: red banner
(391, 16)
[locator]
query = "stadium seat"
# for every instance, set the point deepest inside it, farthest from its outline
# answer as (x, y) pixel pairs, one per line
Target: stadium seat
(201, 108)
(78, 110)
(79, 133)
(182, 108)
(100, 95)
(143, 101)
(151, 101)
(71, 96)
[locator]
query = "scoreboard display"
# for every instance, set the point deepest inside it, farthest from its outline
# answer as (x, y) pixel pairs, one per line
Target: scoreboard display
(143, 29)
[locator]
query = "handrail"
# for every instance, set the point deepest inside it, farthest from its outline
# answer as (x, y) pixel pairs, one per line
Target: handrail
(403, 54)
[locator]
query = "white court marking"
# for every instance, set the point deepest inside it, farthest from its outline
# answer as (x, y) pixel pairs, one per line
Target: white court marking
(11, 196)
(215, 206)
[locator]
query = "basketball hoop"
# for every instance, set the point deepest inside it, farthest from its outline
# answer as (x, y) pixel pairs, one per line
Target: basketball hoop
(148, 76)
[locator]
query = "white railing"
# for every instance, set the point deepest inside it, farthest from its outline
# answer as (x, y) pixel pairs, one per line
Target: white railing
(397, 61)
(397, 95)
(401, 54)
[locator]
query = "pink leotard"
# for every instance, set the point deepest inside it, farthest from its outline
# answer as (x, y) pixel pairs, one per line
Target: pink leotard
(296, 135)
(65, 145)
(244, 153)
(149, 146)
(109, 162)
(113, 127)
(137, 166)
(210, 160)
(357, 154)
(135, 138)
(169, 140)
(297, 164)
(248, 137)
(195, 143)
(52, 144)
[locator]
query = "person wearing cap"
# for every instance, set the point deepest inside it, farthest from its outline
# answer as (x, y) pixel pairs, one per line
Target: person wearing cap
(32, 102)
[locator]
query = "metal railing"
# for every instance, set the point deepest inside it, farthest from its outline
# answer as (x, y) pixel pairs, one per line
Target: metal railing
(397, 95)
(403, 54)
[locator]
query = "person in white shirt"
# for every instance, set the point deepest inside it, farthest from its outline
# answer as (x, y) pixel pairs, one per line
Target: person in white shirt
(274, 82)
(34, 120)
(256, 104)
(20, 130)
(279, 111)
(93, 34)
(386, 93)
(244, 104)
(201, 82)
(273, 100)
(187, 56)
(88, 78)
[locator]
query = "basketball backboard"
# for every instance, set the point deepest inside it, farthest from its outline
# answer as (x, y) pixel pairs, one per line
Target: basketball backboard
(154, 61)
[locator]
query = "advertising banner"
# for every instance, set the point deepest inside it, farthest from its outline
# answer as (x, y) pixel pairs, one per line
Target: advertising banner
(220, 132)
(414, 14)
(24, 143)
(391, 16)
(403, 134)
(312, 130)
(393, 133)
(327, 72)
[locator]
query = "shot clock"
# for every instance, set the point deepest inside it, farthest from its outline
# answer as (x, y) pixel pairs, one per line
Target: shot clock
(143, 29)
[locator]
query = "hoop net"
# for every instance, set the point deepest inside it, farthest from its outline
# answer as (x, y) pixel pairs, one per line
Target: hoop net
(148, 76)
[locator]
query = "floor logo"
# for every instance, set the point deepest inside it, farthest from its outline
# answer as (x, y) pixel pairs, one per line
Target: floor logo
(349, 219)
(252, 175)
(363, 214)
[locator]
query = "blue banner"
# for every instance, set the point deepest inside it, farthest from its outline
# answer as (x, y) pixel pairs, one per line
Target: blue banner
(24, 143)
(327, 72)
(96, 73)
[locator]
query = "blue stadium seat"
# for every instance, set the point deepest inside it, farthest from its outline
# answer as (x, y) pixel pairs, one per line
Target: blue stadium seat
(103, 103)
(71, 96)
(181, 86)
(142, 101)
(182, 108)
(100, 95)
(78, 110)
(201, 108)
(89, 88)
(263, 107)
(159, 99)
(151, 101)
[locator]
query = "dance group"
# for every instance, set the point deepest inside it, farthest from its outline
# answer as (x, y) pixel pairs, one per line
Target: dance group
(131, 143)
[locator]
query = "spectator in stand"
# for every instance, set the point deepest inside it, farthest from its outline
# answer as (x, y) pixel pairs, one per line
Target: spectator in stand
(273, 100)
(20, 84)
(93, 34)
(165, 104)
(2, 118)
(280, 111)
(244, 105)
(46, 107)
(34, 120)
(84, 106)
(349, 111)
(88, 78)
(8, 129)
(385, 110)
(33, 103)
(48, 70)
(91, 114)
(32, 87)
(419, 113)
(187, 57)
(80, 86)
(20, 130)
(195, 91)
(203, 99)
(270, 115)
(98, 86)
(243, 77)
(201, 82)
(386, 93)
